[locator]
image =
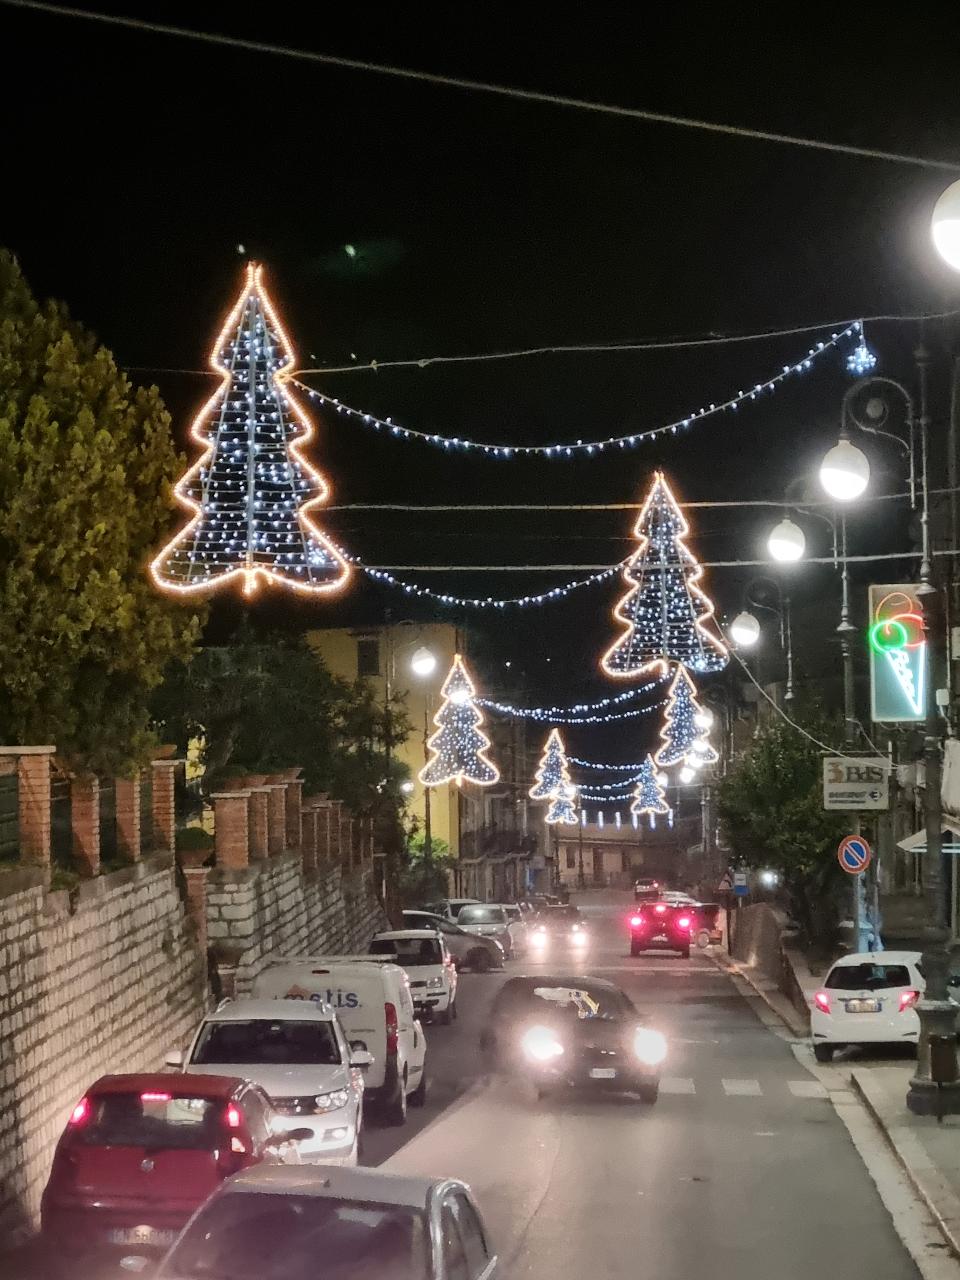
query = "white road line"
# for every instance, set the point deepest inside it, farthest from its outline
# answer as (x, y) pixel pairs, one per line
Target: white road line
(677, 1084)
(807, 1089)
(742, 1088)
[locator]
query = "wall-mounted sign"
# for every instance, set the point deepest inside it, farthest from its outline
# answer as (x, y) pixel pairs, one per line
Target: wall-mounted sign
(898, 654)
(853, 784)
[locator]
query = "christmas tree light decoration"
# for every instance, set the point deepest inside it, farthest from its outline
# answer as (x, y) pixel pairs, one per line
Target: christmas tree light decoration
(649, 797)
(684, 725)
(563, 810)
(553, 775)
(667, 615)
(251, 488)
(458, 746)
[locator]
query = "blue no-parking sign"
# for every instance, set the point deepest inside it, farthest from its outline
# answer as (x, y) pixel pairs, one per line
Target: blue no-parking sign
(854, 855)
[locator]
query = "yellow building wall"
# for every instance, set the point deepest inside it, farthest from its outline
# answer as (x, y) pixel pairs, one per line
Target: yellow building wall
(338, 649)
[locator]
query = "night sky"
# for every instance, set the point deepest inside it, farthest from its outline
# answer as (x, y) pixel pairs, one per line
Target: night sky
(136, 163)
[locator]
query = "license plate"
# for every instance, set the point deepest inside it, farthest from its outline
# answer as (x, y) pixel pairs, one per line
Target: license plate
(863, 1006)
(141, 1235)
(603, 1073)
(661, 937)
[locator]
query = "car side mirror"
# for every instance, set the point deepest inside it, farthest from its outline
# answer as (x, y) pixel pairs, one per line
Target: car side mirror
(174, 1058)
(134, 1263)
(361, 1058)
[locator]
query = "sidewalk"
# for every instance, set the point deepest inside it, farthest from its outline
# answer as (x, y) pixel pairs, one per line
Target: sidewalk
(768, 989)
(928, 1152)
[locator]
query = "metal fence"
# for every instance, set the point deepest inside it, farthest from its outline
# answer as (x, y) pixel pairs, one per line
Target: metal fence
(9, 817)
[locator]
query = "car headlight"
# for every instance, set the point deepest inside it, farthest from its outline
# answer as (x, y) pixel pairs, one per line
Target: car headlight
(332, 1101)
(540, 1044)
(578, 934)
(435, 984)
(649, 1046)
(540, 935)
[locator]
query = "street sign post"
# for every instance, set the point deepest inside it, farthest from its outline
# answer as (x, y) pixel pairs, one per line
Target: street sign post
(740, 887)
(852, 784)
(854, 855)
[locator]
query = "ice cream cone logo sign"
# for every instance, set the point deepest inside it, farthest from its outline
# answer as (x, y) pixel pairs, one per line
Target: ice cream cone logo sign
(898, 654)
(251, 489)
(458, 747)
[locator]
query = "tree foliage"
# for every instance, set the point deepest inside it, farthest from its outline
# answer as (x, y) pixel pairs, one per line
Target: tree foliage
(86, 466)
(771, 804)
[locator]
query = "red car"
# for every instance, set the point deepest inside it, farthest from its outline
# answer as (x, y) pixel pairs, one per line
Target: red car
(140, 1153)
(662, 926)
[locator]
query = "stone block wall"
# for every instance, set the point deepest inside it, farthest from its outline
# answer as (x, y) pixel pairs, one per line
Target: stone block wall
(106, 980)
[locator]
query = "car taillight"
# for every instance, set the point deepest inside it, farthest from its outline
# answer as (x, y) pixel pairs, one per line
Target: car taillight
(684, 922)
(636, 921)
(234, 1118)
(155, 1097)
(393, 1027)
(81, 1112)
(908, 999)
(822, 1001)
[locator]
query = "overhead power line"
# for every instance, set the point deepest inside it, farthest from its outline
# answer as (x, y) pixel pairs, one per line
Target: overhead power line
(481, 86)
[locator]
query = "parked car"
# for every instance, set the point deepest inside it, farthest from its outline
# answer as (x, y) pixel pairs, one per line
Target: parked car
(343, 1224)
(141, 1153)
(298, 1054)
(869, 997)
(468, 950)
(372, 999)
(487, 920)
(450, 908)
(423, 955)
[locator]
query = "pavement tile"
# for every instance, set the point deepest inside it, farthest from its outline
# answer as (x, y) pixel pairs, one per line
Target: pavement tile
(807, 1089)
(677, 1084)
(742, 1088)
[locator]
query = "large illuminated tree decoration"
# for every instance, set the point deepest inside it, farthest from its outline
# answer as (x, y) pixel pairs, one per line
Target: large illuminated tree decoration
(553, 775)
(685, 725)
(563, 808)
(649, 796)
(251, 489)
(667, 615)
(458, 746)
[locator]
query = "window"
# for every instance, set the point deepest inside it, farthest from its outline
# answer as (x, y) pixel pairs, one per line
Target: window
(153, 1119)
(264, 1041)
(368, 656)
(571, 858)
(867, 977)
(410, 952)
(471, 1233)
(481, 915)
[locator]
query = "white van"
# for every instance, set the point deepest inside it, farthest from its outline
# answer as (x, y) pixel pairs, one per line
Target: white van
(372, 999)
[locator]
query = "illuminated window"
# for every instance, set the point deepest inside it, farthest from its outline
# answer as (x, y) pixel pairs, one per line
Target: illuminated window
(368, 656)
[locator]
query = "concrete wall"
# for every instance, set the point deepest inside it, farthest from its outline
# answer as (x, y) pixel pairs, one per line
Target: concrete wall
(104, 980)
(756, 939)
(275, 909)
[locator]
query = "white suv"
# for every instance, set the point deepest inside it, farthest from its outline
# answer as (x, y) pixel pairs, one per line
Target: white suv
(298, 1054)
(423, 954)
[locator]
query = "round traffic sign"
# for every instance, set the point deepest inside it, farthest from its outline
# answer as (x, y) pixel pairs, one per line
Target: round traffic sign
(854, 854)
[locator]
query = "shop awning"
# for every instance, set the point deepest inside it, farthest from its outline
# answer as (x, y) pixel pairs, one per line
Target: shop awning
(917, 843)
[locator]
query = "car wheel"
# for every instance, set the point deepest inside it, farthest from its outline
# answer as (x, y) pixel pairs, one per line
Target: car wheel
(635, 948)
(685, 954)
(649, 1093)
(444, 1017)
(479, 961)
(395, 1112)
(823, 1052)
(419, 1096)
(453, 1012)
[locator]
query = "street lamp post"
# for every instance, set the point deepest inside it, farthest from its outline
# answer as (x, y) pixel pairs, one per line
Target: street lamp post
(423, 664)
(745, 628)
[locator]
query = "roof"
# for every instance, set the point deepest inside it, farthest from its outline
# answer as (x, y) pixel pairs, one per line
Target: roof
(424, 935)
(332, 1183)
(180, 1086)
(879, 957)
(576, 981)
(271, 1010)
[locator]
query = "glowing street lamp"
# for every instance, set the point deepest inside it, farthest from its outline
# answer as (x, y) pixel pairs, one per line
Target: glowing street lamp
(423, 663)
(845, 471)
(945, 226)
(786, 542)
(745, 630)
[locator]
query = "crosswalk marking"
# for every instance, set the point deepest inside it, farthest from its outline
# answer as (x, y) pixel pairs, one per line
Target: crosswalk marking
(741, 1088)
(806, 1088)
(677, 1084)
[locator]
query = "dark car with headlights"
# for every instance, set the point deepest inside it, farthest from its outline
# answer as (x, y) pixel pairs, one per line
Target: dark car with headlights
(557, 926)
(663, 926)
(563, 1032)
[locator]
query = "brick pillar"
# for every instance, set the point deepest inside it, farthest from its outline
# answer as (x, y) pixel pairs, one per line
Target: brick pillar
(162, 805)
(33, 789)
(127, 792)
(85, 823)
(196, 878)
(308, 842)
(294, 813)
(277, 818)
(231, 829)
(259, 827)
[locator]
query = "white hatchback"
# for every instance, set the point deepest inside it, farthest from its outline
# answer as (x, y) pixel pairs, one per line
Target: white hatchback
(867, 998)
(423, 955)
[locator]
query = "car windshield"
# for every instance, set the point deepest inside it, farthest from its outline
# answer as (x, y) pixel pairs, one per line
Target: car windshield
(481, 915)
(560, 915)
(263, 1041)
(566, 998)
(514, 913)
(410, 952)
(867, 977)
(152, 1119)
(289, 1237)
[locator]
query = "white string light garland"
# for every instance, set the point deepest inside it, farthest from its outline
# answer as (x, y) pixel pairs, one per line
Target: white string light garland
(601, 719)
(548, 713)
(564, 449)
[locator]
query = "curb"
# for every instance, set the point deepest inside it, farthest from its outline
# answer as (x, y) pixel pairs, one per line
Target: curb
(921, 1172)
(787, 1015)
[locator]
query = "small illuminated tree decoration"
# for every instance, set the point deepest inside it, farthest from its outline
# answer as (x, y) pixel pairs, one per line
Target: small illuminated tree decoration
(563, 809)
(251, 489)
(553, 775)
(649, 797)
(685, 725)
(667, 615)
(458, 746)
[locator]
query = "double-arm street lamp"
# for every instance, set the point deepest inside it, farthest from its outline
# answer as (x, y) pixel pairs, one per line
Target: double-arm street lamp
(745, 629)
